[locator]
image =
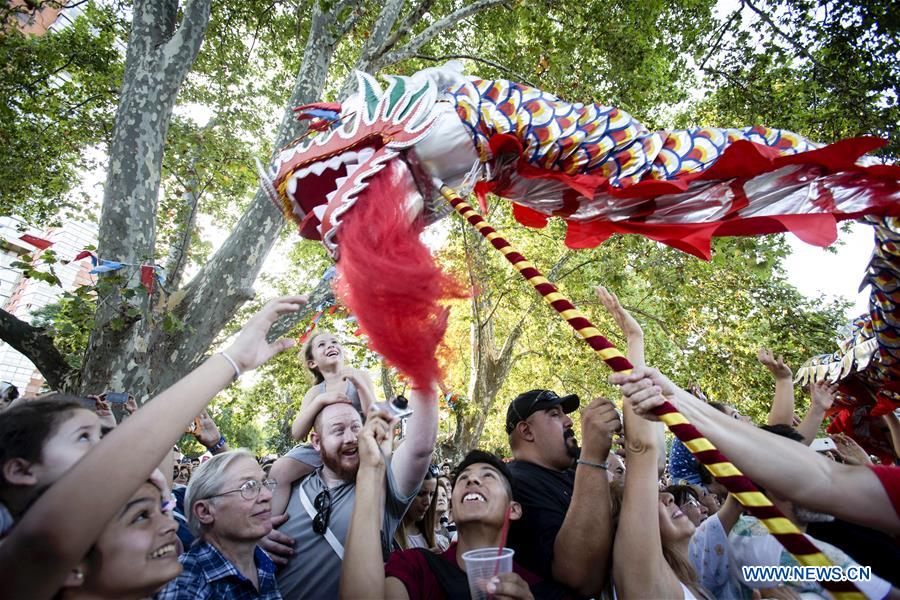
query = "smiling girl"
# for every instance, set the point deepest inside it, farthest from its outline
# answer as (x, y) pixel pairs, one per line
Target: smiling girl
(323, 355)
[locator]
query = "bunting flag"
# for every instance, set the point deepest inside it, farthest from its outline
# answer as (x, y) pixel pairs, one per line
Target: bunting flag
(148, 277)
(36, 241)
(150, 273)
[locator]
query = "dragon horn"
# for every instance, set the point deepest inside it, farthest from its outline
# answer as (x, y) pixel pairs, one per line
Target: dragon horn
(267, 185)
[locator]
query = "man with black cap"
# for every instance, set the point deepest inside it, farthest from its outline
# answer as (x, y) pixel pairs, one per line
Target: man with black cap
(565, 533)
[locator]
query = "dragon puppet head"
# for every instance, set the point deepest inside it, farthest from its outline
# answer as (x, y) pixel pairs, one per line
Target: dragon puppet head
(375, 133)
(360, 187)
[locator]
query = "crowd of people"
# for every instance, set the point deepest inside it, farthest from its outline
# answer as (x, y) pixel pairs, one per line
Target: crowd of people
(91, 508)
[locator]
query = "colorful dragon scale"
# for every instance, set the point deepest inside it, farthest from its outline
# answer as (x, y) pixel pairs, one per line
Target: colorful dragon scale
(867, 363)
(594, 166)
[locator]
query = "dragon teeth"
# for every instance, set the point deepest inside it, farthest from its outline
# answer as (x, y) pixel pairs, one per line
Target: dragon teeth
(349, 157)
(351, 168)
(292, 184)
(329, 196)
(339, 182)
(365, 154)
(319, 211)
(317, 168)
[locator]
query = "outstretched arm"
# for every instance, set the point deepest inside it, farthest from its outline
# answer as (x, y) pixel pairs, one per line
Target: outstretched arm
(583, 545)
(821, 399)
(783, 466)
(782, 411)
(59, 529)
(631, 329)
(362, 572)
(638, 539)
(414, 455)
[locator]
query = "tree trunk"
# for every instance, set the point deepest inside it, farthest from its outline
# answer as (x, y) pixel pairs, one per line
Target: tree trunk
(489, 368)
(159, 57)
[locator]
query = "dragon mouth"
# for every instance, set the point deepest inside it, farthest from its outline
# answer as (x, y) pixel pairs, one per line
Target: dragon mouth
(313, 184)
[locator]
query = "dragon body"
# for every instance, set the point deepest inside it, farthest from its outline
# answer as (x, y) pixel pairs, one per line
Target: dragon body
(596, 167)
(866, 365)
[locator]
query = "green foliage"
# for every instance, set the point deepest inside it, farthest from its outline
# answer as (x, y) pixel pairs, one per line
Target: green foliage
(60, 90)
(832, 74)
(827, 70)
(69, 320)
(703, 321)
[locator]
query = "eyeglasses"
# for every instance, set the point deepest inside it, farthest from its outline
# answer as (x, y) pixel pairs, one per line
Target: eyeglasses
(322, 505)
(692, 502)
(251, 489)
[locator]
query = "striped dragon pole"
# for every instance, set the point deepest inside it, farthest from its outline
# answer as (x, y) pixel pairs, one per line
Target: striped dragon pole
(738, 484)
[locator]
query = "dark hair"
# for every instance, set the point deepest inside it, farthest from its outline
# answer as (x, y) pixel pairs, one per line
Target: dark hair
(784, 431)
(26, 427)
(480, 456)
(428, 523)
(307, 351)
(718, 406)
(681, 492)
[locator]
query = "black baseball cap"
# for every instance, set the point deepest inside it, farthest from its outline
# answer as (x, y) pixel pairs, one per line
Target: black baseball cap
(528, 403)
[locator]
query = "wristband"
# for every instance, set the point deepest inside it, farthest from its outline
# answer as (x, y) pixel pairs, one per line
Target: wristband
(604, 465)
(237, 371)
(219, 445)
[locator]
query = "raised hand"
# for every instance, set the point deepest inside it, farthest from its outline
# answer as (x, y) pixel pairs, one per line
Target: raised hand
(103, 410)
(206, 431)
(375, 439)
(644, 389)
(774, 364)
(823, 394)
(850, 451)
(251, 349)
(599, 421)
(622, 317)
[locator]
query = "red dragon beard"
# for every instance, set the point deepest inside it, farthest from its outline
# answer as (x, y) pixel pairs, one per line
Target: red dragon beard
(389, 280)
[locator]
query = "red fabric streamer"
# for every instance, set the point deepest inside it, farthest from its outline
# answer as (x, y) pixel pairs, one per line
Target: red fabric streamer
(741, 161)
(388, 279)
(36, 241)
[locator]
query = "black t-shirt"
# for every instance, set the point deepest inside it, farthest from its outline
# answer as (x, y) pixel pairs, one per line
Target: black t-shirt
(545, 495)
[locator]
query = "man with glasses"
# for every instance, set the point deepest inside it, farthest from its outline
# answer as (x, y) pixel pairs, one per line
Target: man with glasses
(228, 500)
(321, 504)
(565, 533)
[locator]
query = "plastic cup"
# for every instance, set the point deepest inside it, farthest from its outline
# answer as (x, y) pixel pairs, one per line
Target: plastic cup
(482, 565)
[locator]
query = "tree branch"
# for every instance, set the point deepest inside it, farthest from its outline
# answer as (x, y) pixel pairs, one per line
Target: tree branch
(373, 46)
(180, 51)
(37, 347)
(722, 31)
(768, 20)
(213, 296)
(412, 47)
(318, 296)
(496, 65)
(408, 23)
(351, 21)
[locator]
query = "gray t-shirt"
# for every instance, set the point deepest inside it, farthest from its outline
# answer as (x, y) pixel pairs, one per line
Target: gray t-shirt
(314, 570)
